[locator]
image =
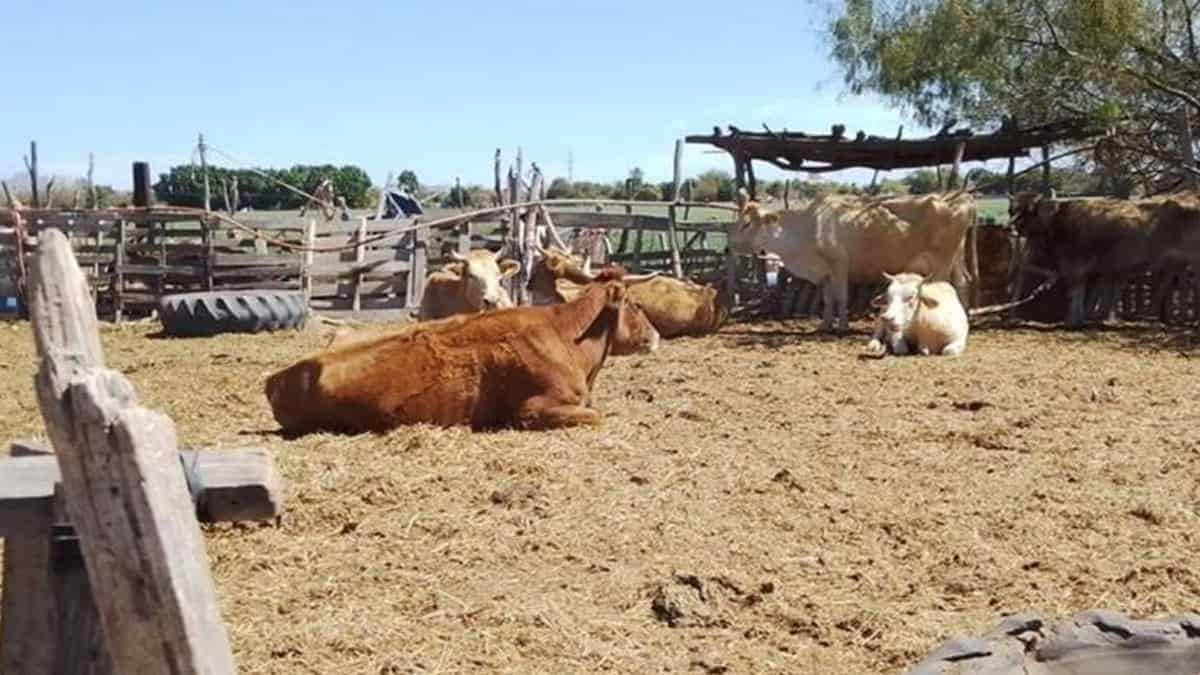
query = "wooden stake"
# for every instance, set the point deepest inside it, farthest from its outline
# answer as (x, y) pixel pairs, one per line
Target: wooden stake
(204, 169)
(956, 167)
(1046, 170)
(360, 256)
(91, 185)
(31, 165)
(672, 238)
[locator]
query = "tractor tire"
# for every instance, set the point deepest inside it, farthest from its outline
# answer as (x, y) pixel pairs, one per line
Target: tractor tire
(1097, 642)
(208, 314)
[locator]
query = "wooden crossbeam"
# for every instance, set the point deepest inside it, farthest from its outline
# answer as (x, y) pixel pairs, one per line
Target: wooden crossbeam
(814, 153)
(232, 486)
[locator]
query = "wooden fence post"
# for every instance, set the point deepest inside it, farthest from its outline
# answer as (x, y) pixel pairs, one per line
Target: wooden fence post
(529, 246)
(360, 257)
(124, 492)
(418, 264)
(119, 262)
(310, 256)
(672, 238)
(204, 169)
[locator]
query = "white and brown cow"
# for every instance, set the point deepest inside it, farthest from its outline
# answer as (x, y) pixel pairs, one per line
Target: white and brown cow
(470, 284)
(917, 315)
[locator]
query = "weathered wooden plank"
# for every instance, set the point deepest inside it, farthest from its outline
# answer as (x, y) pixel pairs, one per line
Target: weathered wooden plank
(232, 485)
(27, 611)
(341, 269)
(254, 260)
(124, 492)
(161, 270)
(609, 220)
(292, 270)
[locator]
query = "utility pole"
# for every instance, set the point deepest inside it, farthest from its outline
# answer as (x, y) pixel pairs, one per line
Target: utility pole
(570, 167)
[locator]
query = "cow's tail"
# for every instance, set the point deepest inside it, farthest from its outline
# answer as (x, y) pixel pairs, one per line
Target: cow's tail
(996, 309)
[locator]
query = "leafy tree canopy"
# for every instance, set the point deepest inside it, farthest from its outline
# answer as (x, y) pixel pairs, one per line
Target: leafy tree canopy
(1129, 65)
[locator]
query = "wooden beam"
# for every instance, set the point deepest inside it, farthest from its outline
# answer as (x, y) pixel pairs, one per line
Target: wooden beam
(816, 153)
(232, 485)
(124, 493)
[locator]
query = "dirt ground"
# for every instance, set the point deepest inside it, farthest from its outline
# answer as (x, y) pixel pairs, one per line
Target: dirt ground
(756, 501)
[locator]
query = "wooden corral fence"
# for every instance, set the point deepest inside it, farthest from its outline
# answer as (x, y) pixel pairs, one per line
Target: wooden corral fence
(105, 570)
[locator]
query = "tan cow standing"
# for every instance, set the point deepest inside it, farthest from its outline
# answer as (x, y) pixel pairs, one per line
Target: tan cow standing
(526, 367)
(675, 306)
(468, 285)
(836, 240)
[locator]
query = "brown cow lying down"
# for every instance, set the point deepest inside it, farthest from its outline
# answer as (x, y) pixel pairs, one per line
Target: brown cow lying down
(675, 306)
(523, 367)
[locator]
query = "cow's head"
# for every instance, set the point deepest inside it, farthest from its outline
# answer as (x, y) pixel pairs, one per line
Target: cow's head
(634, 333)
(1030, 213)
(480, 273)
(555, 264)
(900, 302)
(754, 223)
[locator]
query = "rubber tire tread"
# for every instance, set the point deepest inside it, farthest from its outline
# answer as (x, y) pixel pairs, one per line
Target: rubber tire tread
(212, 313)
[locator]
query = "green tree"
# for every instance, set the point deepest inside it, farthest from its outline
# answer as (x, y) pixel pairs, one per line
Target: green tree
(1127, 65)
(408, 179)
(714, 186)
(922, 181)
(560, 188)
(647, 193)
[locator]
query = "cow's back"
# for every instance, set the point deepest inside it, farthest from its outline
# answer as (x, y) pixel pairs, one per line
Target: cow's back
(676, 307)
(897, 234)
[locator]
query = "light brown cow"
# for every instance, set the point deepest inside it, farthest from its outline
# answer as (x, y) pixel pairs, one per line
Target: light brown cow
(675, 306)
(836, 240)
(524, 367)
(468, 285)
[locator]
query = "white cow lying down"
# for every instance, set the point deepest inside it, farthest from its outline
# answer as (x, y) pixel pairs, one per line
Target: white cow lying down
(918, 316)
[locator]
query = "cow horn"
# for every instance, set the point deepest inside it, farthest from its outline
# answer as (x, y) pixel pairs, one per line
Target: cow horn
(639, 278)
(587, 266)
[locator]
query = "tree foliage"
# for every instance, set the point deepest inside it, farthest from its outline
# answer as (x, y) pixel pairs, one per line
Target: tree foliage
(184, 185)
(1126, 65)
(408, 179)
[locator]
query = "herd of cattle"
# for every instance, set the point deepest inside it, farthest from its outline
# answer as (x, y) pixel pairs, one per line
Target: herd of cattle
(474, 359)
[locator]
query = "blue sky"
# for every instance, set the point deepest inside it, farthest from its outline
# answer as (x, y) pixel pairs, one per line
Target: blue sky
(431, 86)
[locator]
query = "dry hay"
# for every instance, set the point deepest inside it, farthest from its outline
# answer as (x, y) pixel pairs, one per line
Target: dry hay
(757, 501)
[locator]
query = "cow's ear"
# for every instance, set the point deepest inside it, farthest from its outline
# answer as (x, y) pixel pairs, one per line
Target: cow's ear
(509, 268)
(879, 301)
(615, 295)
(455, 268)
(928, 302)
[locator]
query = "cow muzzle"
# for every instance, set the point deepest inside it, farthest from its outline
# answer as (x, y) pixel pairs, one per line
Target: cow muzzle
(651, 343)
